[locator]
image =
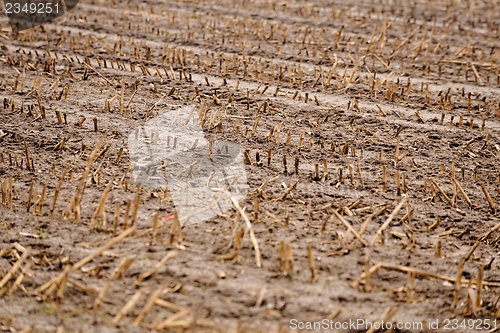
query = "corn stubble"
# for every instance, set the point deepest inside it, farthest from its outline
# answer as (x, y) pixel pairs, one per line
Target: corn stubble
(369, 141)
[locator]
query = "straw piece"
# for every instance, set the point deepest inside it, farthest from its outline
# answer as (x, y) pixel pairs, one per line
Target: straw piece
(14, 268)
(167, 305)
(173, 321)
(143, 276)
(88, 258)
(350, 228)
(101, 295)
(149, 305)
(249, 228)
(389, 220)
(127, 307)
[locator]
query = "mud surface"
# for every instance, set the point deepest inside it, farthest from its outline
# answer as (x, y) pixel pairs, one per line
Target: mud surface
(344, 89)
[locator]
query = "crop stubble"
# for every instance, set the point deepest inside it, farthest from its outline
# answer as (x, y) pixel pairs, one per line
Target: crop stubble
(370, 134)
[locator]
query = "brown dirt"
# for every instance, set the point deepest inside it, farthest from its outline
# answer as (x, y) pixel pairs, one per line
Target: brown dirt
(436, 45)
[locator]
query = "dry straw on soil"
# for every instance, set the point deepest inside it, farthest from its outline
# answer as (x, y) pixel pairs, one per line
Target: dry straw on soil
(369, 131)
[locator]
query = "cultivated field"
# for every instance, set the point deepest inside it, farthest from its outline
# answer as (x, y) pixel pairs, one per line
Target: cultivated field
(370, 136)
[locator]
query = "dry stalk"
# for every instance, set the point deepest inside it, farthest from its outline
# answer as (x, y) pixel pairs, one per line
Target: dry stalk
(492, 230)
(128, 306)
(41, 201)
(116, 216)
(122, 267)
(385, 317)
(237, 241)
(286, 258)
(442, 192)
(462, 191)
(470, 307)
(471, 250)
(439, 249)
(20, 278)
(168, 305)
(384, 179)
(256, 209)
(155, 228)
(137, 201)
(350, 228)
(396, 152)
(479, 286)
(370, 218)
(368, 286)
(312, 266)
(389, 220)
(174, 321)
(100, 212)
(63, 283)
(11, 191)
(14, 268)
(457, 281)
(56, 194)
(99, 74)
(149, 305)
(360, 175)
(488, 198)
(74, 205)
(27, 155)
(176, 229)
(249, 229)
(145, 275)
(101, 295)
(287, 191)
(410, 288)
(88, 258)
